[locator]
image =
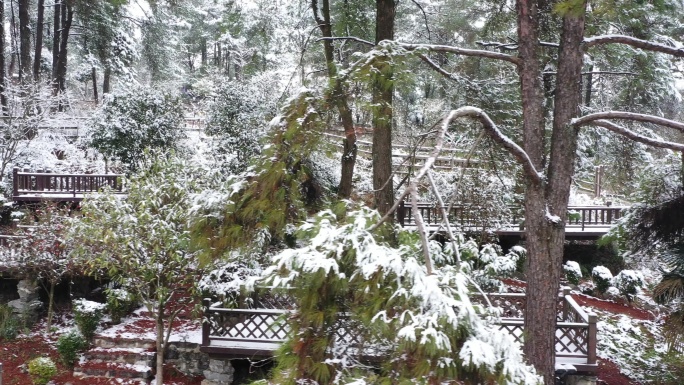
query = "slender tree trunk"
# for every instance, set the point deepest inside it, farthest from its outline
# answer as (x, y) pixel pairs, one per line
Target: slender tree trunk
(93, 76)
(159, 376)
(67, 17)
(106, 81)
(203, 50)
(14, 51)
(339, 97)
(383, 91)
(51, 305)
(3, 74)
(40, 21)
(56, 24)
(24, 41)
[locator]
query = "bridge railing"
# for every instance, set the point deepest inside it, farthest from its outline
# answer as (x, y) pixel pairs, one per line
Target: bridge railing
(260, 331)
(469, 216)
(45, 183)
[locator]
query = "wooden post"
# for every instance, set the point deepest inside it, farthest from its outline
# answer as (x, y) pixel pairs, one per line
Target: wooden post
(566, 305)
(591, 339)
(15, 183)
(206, 325)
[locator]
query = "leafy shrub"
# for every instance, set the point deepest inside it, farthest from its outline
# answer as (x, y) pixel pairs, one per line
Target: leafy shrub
(87, 315)
(134, 120)
(119, 303)
(41, 370)
(9, 323)
(69, 345)
(628, 282)
(602, 278)
(573, 272)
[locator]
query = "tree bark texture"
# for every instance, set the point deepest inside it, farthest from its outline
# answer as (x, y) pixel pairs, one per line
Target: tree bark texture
(3, 73)
(159, 378)
(383, 91)
(106, 81)
(93, 76)
(40, 21)
(546, 202)
(338, 96)
(24, 40)
(56, 26)
(60, 79)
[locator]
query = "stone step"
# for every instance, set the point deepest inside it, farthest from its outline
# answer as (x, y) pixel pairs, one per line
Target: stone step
(130, 373)
(128, 343)
(134, 356)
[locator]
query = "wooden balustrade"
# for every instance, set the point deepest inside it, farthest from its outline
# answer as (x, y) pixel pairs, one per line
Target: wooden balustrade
(259, 332)
(36, 186)
(475, 217)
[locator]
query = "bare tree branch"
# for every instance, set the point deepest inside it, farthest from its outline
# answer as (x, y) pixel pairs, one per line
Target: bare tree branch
(496, 44)
(427, 25)
(610, 115)
(461, 51)
(352, 38)
(437, 67)
(636, 137)
(634, 42)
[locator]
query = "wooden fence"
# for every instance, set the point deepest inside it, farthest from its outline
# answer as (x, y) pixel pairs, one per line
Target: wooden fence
(37, 186)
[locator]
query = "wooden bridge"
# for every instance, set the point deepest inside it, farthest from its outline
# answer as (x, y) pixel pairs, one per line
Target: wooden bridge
(46, 186)
(258, 333)
(583, 222)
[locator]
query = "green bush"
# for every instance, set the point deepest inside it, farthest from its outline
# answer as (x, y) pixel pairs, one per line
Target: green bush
(69, 345)
(573, 272)
(9, 323)
(41, 370)
(602, 277)
(119, 303)
(87, 315)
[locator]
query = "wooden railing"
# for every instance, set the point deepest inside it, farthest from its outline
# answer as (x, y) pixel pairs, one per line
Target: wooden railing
(32, 186)
(259, 332)
(469, 216)
(575, 329)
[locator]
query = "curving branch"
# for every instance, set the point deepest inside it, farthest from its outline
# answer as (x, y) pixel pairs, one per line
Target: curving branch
(637, 137)
(352, 38)
(496, 135)
(427, 25)
(622, 115)
(461, 51)
(437, 67)
(634, 42)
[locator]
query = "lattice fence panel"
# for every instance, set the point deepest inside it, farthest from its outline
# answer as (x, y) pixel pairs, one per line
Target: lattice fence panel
(571, 340)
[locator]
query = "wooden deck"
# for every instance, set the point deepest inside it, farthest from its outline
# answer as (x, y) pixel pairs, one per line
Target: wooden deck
(45, 186)
(258, 333)
(585, 223)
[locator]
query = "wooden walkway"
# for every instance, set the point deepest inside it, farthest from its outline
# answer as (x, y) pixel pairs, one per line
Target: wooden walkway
(45, 186)
(258, 333)
(584, 222)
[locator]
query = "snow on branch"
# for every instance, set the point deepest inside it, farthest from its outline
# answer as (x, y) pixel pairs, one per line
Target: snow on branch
(461, 51)
(622, 115)
(636, 137)
(352, 38)
(496, 135)
(634, 42)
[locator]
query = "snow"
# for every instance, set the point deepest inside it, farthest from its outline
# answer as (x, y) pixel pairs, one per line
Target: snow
(573, 267)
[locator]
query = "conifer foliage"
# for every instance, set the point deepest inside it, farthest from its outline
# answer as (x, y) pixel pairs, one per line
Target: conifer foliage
(358, 297)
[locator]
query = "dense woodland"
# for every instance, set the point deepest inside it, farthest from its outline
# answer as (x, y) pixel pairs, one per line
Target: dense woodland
(540, 100)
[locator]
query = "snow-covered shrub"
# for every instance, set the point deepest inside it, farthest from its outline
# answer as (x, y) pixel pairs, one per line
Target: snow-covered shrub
(41, 370)
(69, 346)
(488, 264)
(422, 320)
(573, 272)
(602, 277)
(87, 315)
(119, 303)
(130, 121)
(628, 282)
(228, 281)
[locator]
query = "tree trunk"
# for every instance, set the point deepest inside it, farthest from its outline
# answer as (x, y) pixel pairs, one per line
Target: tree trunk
(93, 76)
(3, 73)
(60, 79)
(40, 21)
(14, 51)
(546, 205)
(383, 91)
(339, 97)
(56, 24)
(51, 305)
(106, 81)
(159, 376)
(24, 40)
